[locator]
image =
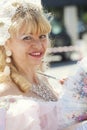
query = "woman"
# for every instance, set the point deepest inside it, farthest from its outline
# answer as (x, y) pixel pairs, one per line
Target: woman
(25, 47)
(27, 100)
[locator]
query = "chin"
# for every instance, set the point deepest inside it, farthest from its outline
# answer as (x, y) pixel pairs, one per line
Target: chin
(37, 62)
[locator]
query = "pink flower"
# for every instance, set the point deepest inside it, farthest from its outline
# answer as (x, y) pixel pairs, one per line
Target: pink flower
(85, 80)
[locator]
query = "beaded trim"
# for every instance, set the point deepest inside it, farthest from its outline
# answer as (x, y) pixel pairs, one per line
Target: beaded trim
(45, 91)
(23, 10)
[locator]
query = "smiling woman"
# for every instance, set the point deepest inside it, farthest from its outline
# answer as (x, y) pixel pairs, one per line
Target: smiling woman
(28, 101)
(24, 31)
(27, 34)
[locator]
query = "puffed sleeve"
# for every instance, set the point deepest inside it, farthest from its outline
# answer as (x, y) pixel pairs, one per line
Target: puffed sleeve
(23, 114)
(31, 114)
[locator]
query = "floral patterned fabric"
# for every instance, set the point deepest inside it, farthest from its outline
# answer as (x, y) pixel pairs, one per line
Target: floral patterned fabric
(75, 93)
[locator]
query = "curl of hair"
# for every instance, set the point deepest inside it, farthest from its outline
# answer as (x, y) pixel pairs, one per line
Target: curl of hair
(23, 84)
(19, 80)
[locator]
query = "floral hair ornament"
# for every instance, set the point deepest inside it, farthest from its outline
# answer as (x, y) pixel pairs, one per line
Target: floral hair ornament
(7, 11)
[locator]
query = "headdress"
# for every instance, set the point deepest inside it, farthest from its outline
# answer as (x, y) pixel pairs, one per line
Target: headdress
(7, 11)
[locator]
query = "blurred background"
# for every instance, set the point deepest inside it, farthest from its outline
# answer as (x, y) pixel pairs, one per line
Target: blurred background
(68, 35)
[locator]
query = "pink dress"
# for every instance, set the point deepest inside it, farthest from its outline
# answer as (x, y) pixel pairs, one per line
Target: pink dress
(24, 113)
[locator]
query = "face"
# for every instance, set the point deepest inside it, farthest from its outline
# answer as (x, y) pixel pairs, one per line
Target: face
(28, 50)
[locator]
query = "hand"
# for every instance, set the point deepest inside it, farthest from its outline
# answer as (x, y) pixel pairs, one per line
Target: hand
(82, 117)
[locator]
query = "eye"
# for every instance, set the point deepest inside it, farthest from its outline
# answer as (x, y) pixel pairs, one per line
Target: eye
(43, 37)
(27, 38)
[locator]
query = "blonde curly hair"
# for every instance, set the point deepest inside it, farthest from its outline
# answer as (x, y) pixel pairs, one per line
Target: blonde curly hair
(32, 19)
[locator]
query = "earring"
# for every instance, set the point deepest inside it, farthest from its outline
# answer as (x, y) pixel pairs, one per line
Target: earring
(8, 54)
(8, 60)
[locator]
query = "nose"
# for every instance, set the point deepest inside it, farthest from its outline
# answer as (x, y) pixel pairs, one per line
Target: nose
(37, 44)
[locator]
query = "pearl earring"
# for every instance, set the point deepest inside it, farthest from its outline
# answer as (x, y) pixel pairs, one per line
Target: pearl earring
(8, 60)
(8, 54)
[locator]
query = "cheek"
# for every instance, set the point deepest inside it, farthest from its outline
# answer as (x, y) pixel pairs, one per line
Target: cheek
(45, 44)
(48, 43)
(18, 56)
(17, 52)
(16, 47)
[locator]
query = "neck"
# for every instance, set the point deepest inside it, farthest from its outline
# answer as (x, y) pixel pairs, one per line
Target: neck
(29, 74)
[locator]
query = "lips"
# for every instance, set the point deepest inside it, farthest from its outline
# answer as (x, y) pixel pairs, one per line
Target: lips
(36, 54)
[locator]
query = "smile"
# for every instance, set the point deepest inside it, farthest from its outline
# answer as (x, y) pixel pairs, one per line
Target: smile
(36, 54)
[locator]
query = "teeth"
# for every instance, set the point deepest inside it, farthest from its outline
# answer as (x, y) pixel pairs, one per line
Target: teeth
(36, 54)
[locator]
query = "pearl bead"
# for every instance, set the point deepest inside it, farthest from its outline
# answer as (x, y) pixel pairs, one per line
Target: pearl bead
(8, 53)
(8, 60)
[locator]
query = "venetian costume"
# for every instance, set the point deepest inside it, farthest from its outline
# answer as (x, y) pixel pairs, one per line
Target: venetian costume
(45, 113)
(25, 113)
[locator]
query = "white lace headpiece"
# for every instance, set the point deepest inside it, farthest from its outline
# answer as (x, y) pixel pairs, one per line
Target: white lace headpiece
(7, 11)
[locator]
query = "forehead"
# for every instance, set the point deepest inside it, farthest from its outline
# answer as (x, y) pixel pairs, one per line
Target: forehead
(32, 28)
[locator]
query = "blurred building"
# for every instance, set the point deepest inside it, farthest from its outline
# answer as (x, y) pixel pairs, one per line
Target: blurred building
(71, 13)
(59, 3)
